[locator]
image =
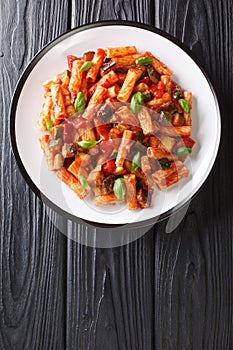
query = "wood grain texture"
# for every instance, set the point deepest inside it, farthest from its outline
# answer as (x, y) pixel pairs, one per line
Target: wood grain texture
(192, 276)
(32, 251)
(109, 294)
(196, 298)
(84, 11)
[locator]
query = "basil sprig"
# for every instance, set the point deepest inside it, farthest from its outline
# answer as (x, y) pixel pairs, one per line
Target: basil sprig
(119, 189)
(136, 102)
(49, 124)
(87, 144)
(183, 151)
(83, 181)
(143, 61)
(135, 162)
(184, 105)
(86, 65)
(80, 103)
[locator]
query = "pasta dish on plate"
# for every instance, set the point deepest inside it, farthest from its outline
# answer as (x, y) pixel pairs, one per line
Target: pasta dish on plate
(116, 125)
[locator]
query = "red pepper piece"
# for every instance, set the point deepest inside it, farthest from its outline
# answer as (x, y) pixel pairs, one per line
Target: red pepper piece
(103, 131)
(157, 90)
(185, 142)
(145, 80)
(109, 167)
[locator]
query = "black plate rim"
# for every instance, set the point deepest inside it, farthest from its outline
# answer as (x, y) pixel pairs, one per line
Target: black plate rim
(21, 82)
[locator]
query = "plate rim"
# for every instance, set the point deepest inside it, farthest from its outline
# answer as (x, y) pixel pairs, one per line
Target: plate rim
(22, 80)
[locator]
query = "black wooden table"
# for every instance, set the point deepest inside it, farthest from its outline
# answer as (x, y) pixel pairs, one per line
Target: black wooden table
(163, 291)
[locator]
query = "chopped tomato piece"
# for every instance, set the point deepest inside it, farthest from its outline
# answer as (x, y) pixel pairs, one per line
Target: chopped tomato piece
(105, 84)
(157, 90)
(103, 131)
(109, 167)
(185, 142)
(145, 80)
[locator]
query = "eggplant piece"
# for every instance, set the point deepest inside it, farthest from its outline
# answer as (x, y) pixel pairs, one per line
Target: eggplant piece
(108, 65)
(153, 74)
(88, 56)
(105, 112)
(107, 185)
(144, 197)
(69, 150)
(57, 131)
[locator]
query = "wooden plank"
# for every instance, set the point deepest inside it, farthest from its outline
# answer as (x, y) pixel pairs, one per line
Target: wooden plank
(84, 12)
(32, 250)
(109, 291)
(193, 265)
(109, 296)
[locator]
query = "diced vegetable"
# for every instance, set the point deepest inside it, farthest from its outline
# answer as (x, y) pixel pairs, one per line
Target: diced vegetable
(57, 131)
(146, 96)
(108, 183)
(69, 150)
(164, 117)
(109, 167)
(105, 112)
(165, 163)
(88, 56)
(185, 142)
(153, 74)
(108, 65)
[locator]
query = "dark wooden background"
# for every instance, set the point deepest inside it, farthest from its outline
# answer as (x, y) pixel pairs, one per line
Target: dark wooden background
(164, 291)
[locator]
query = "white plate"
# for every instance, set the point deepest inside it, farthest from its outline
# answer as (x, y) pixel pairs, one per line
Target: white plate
(28, 99)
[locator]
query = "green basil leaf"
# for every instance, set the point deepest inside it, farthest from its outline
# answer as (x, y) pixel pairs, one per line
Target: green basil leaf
(87, 144)
(143, 61)
(49, 124)
(183, 151)
(119, 189)
(80, 103)
(136, 102)
(83, 181)
(177, 94)
(135, 162)
(86, 65)
(184, 105)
